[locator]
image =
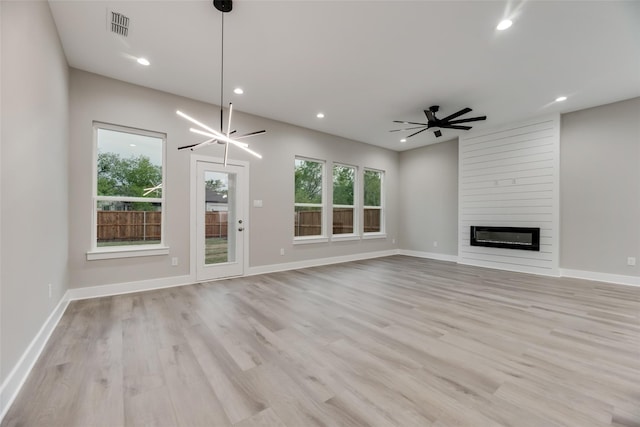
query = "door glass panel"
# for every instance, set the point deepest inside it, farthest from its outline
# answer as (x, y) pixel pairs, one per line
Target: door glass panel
(219, 217)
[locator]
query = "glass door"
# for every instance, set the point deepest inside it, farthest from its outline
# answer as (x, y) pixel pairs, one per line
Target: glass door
(219, 220)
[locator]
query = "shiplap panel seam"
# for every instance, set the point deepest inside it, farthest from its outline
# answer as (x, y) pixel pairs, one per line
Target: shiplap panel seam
(501, 163)
(509, 177)
(469, 138)
(509, 147)
(518, 139)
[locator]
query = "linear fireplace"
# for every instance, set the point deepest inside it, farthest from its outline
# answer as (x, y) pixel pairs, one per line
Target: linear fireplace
(523, 238)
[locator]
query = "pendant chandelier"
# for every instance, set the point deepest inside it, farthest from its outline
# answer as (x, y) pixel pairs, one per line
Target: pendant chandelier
(214, 136)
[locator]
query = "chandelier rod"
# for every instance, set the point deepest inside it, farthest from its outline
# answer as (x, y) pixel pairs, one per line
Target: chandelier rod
(221, 70)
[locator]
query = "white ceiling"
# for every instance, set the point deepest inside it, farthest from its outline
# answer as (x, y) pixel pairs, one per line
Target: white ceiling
(367, 63)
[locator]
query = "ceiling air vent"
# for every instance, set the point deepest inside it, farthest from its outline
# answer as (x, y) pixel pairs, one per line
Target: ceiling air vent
(119, 24)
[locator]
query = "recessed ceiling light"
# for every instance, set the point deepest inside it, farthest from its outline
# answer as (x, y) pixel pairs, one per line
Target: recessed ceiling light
(132, 145)
(144, 61)
(320, 115)
(504, 24)
(238, 91)
(403, 140)
(561, 98)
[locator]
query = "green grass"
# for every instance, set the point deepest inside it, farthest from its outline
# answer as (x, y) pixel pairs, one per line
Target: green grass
(128, 243)
(215, 250)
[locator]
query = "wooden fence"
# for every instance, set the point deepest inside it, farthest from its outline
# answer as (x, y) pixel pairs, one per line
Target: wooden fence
(127, 226)
(123, 226)
(216, 224)
(372, 220)
(309, 223)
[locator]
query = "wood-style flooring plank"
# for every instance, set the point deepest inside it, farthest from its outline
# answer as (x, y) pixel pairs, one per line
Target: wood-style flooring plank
(395, 341)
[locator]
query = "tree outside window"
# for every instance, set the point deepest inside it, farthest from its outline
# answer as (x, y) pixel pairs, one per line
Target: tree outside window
(373, 215)
(128, 194)
(344, 184)
(308, 209)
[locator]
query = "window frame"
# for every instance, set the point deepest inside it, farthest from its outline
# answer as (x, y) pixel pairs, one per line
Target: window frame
(382, 233)
(322, 237)
(124, 251)
(355, 235)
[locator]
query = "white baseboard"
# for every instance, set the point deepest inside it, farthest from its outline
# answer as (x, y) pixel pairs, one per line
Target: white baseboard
(18, 375)
(14, 381)
(551, 272)
(430, 255)
(129, 287)
(273, 268)
(601, 277)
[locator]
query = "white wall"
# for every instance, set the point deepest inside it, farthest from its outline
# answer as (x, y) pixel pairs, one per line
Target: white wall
(429, 200)
(93, 97)
(34, 219)
(509, 177)
(599, 192)
(600, 187)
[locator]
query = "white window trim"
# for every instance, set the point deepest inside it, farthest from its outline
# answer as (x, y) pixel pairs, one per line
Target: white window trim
(122, 252)
(112, 252)
(305, 240)
(319, 238)
(382, 233)
(356, 194)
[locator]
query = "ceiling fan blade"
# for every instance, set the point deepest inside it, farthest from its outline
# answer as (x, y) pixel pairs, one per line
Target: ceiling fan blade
(438, 134)
(247, 135)
(471, 119)
(398, 130)
(458, 114)
(430, 116)
(413, 134)
(448, 126)
(409, 123)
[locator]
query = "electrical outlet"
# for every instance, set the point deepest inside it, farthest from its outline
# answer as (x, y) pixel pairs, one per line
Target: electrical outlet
(174, 261)
(281, 251)
(631, 260)
(435, 244)
(393, 241)
(50, 290)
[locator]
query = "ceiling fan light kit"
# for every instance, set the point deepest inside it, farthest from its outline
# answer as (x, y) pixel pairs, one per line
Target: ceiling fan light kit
(214, 136)
(433, 122)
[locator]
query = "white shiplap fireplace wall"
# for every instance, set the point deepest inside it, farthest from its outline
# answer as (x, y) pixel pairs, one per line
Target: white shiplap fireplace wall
(510, 177)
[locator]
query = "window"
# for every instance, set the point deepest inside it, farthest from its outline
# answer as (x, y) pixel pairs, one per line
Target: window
(309, 196)
(373, 197)
(344, 184)
(128, 192)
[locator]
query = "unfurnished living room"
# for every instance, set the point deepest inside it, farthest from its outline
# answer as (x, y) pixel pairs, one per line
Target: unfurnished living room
(319, 213)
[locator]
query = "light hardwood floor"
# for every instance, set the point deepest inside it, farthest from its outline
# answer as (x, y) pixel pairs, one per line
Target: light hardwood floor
(396, 341)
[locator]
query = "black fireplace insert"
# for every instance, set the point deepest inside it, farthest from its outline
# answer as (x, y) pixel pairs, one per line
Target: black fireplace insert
(523, 238)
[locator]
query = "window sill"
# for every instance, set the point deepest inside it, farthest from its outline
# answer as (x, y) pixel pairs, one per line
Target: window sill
(309, 240)
(374, 236)
(344, 237)
(120, 252)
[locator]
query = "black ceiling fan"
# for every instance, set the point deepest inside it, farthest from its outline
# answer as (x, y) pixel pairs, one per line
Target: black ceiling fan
(434, 122)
